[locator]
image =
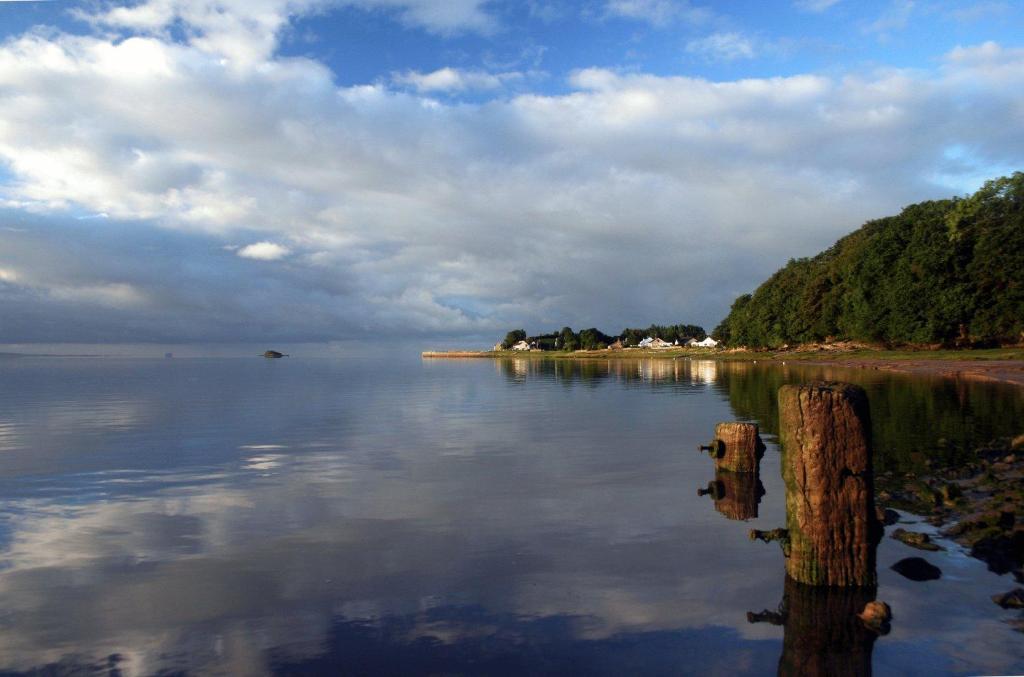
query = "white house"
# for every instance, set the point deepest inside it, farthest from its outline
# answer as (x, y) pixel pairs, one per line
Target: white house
(522, 345)
(654, 343)
(690, 342)
(706, 343)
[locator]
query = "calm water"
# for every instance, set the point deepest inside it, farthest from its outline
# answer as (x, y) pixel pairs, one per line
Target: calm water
(394, 516)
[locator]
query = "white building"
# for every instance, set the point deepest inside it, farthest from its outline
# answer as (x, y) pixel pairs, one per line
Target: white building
(654, 343)
(522, 345)
(706, 343)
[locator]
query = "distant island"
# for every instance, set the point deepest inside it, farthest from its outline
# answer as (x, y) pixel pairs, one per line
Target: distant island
(945, 273)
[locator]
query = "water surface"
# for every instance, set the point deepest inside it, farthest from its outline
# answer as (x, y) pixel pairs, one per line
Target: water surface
(398, 516)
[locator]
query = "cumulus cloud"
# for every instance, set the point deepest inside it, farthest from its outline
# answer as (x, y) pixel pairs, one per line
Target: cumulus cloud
(815, 5)
(657, 12)
(264, 251)
(629, 198)
(723, 47)
(894, 18)
(455, 80)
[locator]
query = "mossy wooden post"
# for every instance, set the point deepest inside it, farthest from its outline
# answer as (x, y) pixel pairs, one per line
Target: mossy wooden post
(826, 466)
(737, 447)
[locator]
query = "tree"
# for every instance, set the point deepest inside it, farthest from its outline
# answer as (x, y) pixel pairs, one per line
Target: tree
(513, 337)
(940, 272)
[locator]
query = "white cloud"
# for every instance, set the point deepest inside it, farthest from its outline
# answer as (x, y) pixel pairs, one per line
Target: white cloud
(657, 12)
(815, 5)
(264, 251)
(455, 80)
(245, 31)
(894, 18)
(723, 47)
(595, 206)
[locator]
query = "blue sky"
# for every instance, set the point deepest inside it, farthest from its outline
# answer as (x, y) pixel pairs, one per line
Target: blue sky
(456, 168)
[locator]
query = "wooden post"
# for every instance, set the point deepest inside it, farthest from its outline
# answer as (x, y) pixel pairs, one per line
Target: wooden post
(832, 528)
(737, 447)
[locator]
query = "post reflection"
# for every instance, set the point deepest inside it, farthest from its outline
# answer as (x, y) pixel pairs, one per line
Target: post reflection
(736, 495)
(823, 634)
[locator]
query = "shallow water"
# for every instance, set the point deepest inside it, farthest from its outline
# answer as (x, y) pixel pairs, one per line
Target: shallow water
(398, 516)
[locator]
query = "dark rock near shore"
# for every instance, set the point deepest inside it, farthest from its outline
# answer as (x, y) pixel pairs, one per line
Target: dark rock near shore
(1013, 599)
(917, 569)
(887, 517)
(916, 540)
(1002, 552)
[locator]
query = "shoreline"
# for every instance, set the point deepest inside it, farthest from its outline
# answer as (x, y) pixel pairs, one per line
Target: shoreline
(1000, 365)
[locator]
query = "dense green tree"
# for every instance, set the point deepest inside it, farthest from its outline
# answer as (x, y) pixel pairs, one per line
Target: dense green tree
(513, 337)
(941, 272)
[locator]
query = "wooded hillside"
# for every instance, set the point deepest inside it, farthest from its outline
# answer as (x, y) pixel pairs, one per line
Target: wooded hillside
(946, 271)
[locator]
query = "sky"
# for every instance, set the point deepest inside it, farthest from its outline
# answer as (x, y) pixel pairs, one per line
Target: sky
(314, 170)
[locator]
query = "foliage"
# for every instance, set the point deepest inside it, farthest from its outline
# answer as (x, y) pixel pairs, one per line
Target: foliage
(513, 337)
(942, 272)
(595, 339)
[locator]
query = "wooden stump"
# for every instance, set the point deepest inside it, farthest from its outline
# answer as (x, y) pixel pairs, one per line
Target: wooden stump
(826, 467)
(737, 447)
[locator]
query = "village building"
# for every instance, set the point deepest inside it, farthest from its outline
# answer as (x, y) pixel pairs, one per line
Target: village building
(654, 343)
(521, 345)
(706, 343)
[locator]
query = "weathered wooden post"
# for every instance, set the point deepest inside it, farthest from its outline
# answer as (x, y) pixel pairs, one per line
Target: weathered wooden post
(736, 495)
(737, 447)
(833, 530)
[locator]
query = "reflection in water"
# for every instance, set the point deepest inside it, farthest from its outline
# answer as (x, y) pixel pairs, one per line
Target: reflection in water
(303, 515)
(823, 635)
(914, 419)
(736, 495)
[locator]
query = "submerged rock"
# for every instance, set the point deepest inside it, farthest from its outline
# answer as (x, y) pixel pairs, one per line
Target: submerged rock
(917, 569)
(916, 540)
(1010, 600)
(876, 616)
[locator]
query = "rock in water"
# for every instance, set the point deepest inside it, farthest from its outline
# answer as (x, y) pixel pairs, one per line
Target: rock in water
(876, 616)
(887, 516)
(1010, 600)
(826, 466)
(916, 540)
(917, 569)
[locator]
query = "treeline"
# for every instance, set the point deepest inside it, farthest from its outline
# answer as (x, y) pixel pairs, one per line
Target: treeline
(595, 339)
(945, 272)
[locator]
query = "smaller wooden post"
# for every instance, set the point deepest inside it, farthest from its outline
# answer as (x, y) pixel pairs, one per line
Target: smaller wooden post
(737, 447)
